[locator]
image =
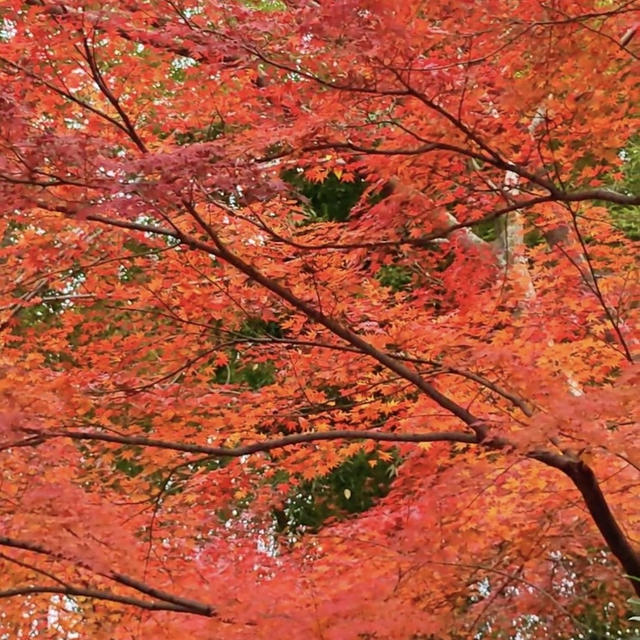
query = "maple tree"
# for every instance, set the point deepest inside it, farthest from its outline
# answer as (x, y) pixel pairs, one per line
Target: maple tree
(317, 318)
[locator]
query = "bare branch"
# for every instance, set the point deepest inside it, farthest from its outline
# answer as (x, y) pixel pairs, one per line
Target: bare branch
(265, 445)
(153, 605)
(164, 601)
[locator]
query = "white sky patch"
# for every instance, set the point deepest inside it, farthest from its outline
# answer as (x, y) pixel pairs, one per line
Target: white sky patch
(7, 29)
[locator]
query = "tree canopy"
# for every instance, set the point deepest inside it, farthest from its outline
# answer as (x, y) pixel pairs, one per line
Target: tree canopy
(318, 318)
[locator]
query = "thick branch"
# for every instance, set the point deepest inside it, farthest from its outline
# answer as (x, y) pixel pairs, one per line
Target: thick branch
(423, 241)
(606, 195)
(179, 603)
(153, 605)
(265, 445)
(221, 251)
(582, 476)
(165, 601)
(555, 193)
(586, 482)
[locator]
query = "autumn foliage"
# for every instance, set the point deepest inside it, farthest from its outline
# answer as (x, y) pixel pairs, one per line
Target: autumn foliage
(317, 318)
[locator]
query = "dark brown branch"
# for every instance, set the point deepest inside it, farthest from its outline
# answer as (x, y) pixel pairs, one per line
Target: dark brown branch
(165, 601)
(481, 380)
(586, 482)
(350, 88)
(64, 94)
(555, 193)
(457, 123)
(605, 195)
(581, 475)
(53, 182)
(404, 151)
(179, 603)
(135, 226)
(26, 546)
(153, 605)
(31, 567)
(221, 251)
(423, 241)
(265, 445)
(115, 103)
(358, 343)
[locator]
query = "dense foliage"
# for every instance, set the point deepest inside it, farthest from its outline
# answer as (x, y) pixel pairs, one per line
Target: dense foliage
(318, 319)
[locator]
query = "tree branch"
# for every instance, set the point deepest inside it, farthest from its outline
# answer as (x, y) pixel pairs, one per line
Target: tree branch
(581, 475)
(153, 605)
(90, 57)
(265, 445)
(584, 478)
(221, 251)
(64, 94)
(164, 601)
(555, 193)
